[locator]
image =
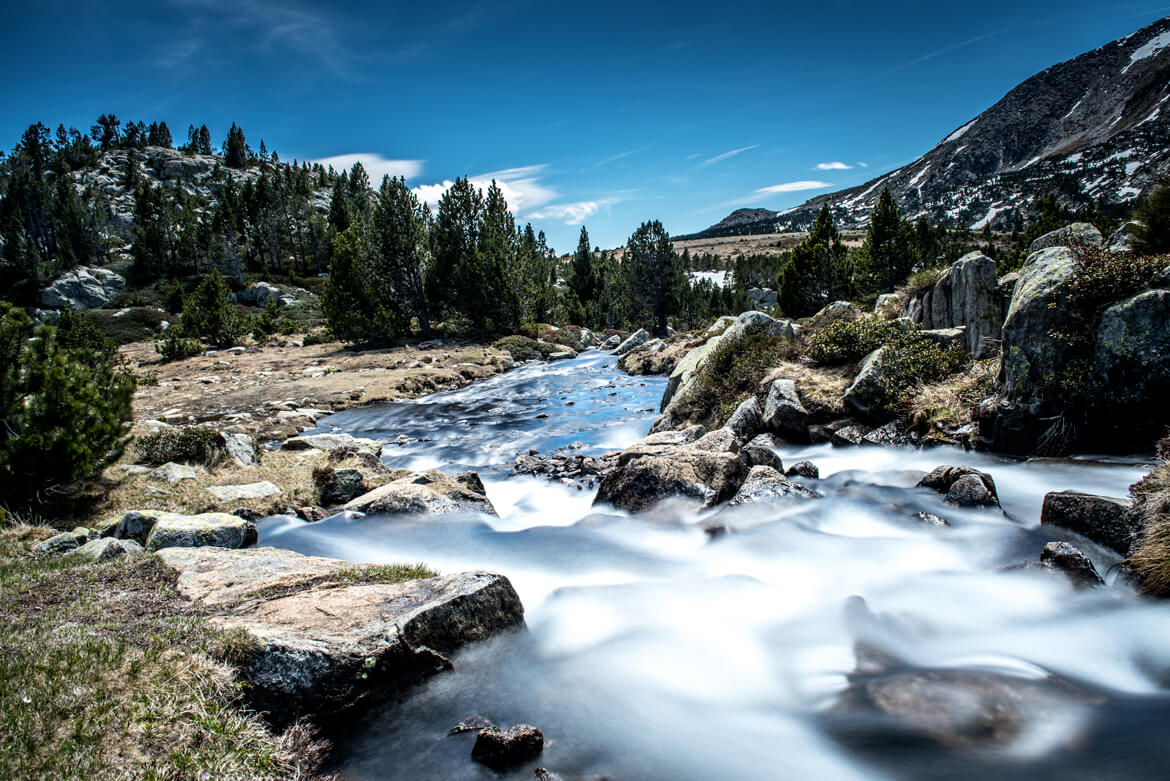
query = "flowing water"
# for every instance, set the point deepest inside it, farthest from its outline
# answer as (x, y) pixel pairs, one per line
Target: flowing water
(656, 651)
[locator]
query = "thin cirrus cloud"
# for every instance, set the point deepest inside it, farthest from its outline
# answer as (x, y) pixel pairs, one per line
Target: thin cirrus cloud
(792, 187)
(835, 165)
(721, 157)
(521, 187)
(569, 213)
(376, 166)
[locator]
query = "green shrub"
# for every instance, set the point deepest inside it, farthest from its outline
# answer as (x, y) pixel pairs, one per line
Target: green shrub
(844, 341)
(921, 281)
(191, 445)
(731, 373)
(63, 410)
(138, 325)
(175, 346)
(267, 322)
(208, 313)
(522, 348)
(569, 339)
(912, 361)
(78, 332)
(317, 337)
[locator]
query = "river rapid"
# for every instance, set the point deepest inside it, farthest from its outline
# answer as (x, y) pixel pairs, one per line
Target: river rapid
(657, 651)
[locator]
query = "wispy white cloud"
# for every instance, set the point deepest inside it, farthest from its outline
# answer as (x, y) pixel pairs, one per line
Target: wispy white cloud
(836, 165)
(618, 156)
(792, 187)
(725, 155)
(376, 165)
(863, 165)
(569, 213)
(522, 188)
(693, 156)
(942, 51)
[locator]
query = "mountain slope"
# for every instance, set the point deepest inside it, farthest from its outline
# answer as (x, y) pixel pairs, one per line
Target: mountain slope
(1096, 126)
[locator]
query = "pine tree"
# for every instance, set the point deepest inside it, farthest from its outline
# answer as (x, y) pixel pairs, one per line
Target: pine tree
(817, 272)
(400, 253)
(105, 132)
(886, 253)
(1153, 237)
(453, 289)
(235, 149)
(349, 300)
(582, 278)
(203, 141)
(657, 281)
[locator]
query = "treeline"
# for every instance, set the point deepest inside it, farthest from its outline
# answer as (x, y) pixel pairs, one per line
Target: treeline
(396, 268)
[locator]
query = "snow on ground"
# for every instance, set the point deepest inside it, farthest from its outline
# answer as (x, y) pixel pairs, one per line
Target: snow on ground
(987, 218)
(955, 136)
(918, 176)
(1128, 193)
(1074, 158)
(1131, 167)
(1071, 110)
(717, 277)
(1148, 49)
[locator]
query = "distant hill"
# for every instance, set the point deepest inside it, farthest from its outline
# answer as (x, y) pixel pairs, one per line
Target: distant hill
(1096, 126)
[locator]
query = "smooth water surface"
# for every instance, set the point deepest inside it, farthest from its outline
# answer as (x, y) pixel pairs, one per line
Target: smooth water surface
(656, 651)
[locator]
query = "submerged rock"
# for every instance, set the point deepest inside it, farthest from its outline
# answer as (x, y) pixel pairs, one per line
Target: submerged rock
(325, 645)
(1066, 558)
(1103, 519)
(804, 469)
(501, 749)
(962, 485)
(765, 484)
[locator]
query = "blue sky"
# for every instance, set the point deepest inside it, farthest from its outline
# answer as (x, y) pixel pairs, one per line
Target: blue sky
(604, 113)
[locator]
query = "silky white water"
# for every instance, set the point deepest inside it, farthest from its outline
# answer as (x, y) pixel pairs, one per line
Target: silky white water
(656, 651)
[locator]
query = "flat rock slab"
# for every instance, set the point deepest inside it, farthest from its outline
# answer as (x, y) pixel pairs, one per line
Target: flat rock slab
(231, 493)
(172, 530)
(324, 643)
(332, 442)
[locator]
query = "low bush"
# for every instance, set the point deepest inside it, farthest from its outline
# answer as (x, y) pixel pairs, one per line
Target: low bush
(731, 373)
(174, 346)
(208, 313)
(191, 445)
(845, 341)
(140, 324)
(911, 361)
(568, 339)
(523, 348)
(921, 281)
(317, 337)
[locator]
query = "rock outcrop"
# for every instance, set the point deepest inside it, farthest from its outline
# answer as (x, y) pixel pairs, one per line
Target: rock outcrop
(172, 530)
(644, 478)
(1070, 235)
(967, 296)
(501, 749)
(1103, 519)
(784, 413)
(1068, 560)
(765, 484)
(1131, 365)
(84, 287)
(426, 493)
(962, 485)
(636, 339)
(327, 636)
(262, 293)
(332, 442)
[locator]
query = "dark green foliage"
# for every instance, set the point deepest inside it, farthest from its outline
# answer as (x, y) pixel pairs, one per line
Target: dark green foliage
(522, 348)
(140, 324)
(174, 346)
(174, 300)
(886, 252)
(63, 410)
(399, 259)
(1154, 215)
(845, 341)
(77, 332)
(656, 276)
(354, 307)
(235, 149)
(191, 445)
(818, 272)
(316, 337)
(733, 372)
(267, 322)
(912, 360)
(208, 314)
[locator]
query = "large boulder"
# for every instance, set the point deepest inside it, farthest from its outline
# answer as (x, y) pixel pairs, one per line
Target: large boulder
(501, 749)
(220, 530)
(337, 636)
(784, 413)
(1131, 367)
(261, 294)
(83, 288)
(746, 421)
(1068, 236)
(107, 549)
(867, 394)
(1068, 559)
(332, 442)
(426, 493)
(1103, 519)
(1124, 238)
(643, 480)
(962, 485)
(762, 296)
(1032, 354)
(263, 489)
(967, 296)
(636, 339)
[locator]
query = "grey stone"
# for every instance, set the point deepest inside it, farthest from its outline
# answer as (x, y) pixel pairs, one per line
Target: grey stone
(233, 493)
(889, 304)
(562, 355)
(261, 293)
(172, 530)
(967, 296)
(759, 452)
(1068, 236)
(866, 395)
(765, 484)
(805, 469)
(426, 493)
(502, 749)
(783, 411)
(174, 473)
(332, 442)
(240, 448)
(746, 422)
(849, 436)
(108, 548)
(962, 485)
(1103, 519)
(611, 343)
(636, 339)
(84, 287)
(721, 440)
(62, 543)
(643, 480)
(970, 491)
(761, 296)
(720, 325)
(326, 648)
(1066, 558)
(1124, 238)
(343, 486)
(946, 337)
(1131, 363)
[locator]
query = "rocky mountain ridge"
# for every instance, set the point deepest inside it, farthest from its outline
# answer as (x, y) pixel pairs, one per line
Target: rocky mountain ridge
(1096, 126)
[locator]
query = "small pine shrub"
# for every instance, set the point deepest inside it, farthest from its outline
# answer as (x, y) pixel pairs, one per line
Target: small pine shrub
(569, 339)
(174, 346)
(191, 445)
(316, 337)
(208, 313)
(77, 332)
(845, 341)
(911, 361)
(731, 373)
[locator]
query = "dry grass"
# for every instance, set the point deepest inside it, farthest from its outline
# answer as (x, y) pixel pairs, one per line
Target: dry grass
(952, 401)
(107, 673)
(1150, 562)
(292, 471)
(822, 388)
